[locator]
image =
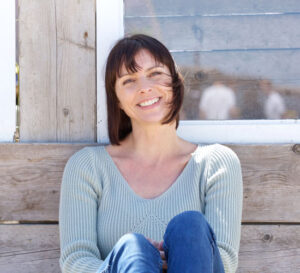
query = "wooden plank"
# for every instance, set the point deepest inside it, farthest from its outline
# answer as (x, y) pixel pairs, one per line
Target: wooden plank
(264, 248)
(269, 248)
(57, 71)
(30, 175)
(281, 67)
(191, 7)
(221, 32)
(76, 67)
(270, 173)
(29, 248)
(37, 40)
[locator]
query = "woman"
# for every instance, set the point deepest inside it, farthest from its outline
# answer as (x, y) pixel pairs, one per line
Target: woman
(150, 200)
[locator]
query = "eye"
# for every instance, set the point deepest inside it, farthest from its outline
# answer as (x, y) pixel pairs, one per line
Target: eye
(155, 73)
(127, 81)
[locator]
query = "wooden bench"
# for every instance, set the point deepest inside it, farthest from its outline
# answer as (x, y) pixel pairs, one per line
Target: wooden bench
(30, 177)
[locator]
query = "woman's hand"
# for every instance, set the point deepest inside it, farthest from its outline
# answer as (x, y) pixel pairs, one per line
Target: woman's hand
(159, 246)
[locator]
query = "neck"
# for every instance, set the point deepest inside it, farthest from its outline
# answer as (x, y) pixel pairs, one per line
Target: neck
(154, 142)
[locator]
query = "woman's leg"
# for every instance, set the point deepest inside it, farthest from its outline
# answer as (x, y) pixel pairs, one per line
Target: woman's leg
(190, 245)
(132, 253)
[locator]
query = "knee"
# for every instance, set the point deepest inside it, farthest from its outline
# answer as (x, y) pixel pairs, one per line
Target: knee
(188, 219)
(132, 240)
(188, 223)
(135, 246)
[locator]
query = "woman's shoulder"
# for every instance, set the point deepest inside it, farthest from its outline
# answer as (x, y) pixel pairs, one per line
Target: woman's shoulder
(88, 154)
(215, 152)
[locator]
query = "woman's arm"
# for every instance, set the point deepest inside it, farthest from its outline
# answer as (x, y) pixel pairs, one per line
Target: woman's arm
(223, 203)
(79, 197)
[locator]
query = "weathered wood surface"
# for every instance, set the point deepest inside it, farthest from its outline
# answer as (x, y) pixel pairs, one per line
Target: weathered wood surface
(203, 7)
(264, 248)
(30, 177)
(221, 32)
(37, 49)
(269, 248)
(271, 182)
(57, 70)
(76, 67)
(29, 249)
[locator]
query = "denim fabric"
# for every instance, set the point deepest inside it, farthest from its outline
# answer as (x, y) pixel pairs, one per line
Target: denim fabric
(189, 245)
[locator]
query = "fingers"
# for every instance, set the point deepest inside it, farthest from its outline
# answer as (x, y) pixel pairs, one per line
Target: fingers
(160, 245)
(165, 265)
(162, 255)
(154, 243)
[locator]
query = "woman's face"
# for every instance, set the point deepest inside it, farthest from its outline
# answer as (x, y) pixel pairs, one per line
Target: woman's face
(145, 95)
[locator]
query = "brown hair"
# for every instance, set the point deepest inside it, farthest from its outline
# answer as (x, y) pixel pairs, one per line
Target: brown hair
(124, 52)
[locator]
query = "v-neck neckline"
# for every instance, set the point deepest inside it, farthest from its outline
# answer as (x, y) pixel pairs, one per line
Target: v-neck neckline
(163, 194)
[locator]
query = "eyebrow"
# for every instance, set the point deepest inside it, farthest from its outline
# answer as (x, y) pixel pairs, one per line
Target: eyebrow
(148, 69)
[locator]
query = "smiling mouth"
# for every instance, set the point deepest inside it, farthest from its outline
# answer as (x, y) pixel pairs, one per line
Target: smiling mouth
(149, 102)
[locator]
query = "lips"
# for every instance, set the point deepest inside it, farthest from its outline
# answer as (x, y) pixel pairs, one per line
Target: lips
(149, 102)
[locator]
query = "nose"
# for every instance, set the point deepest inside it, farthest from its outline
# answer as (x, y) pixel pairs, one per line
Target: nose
(144, 85)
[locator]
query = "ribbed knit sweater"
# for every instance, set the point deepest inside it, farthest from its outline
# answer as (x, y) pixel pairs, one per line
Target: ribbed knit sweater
(97, 206)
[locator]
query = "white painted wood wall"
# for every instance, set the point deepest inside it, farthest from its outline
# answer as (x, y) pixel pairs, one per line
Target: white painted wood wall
(7, 71)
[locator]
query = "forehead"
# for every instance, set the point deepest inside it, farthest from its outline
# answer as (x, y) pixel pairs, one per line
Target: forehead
(143, 59)
(144, 56)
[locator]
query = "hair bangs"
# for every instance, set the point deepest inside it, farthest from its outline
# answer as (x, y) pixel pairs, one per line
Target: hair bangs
(127, 56)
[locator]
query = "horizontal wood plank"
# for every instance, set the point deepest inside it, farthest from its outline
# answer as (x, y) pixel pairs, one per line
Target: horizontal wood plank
(271, 174)
(191, 7)
(264, 248)
(222, 32)
(269, 249)
(30, 177)
(29, 249)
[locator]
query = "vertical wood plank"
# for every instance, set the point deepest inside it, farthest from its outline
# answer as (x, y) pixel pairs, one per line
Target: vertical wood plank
(76, 67)
(37, 39)
(57, 71)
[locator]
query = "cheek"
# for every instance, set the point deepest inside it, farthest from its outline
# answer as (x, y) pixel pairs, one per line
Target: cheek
(169, 95)
(124, 99)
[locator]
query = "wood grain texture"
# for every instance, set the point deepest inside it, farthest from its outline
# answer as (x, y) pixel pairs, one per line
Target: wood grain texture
(192, 7)
(264, 248)
(30, 177)
(76, 67)
(29, 249)
(220, 32)
(269, 248)
(271, 182)
(57, 71)
(37, 45)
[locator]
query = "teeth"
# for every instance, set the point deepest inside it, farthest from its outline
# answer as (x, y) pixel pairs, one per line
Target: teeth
(149, 102)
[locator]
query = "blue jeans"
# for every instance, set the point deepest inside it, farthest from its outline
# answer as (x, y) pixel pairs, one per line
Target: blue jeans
(189, 245)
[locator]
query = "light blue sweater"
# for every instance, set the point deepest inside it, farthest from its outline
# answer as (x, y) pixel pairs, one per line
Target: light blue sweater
(97, 206)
